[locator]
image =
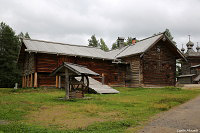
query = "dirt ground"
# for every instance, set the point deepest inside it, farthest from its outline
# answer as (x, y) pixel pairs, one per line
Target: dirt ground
(182, 119)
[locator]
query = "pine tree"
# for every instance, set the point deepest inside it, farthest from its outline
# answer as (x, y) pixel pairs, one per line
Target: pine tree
(22, 35)
(93, 41)
(168, 34)
(9, 49)
(27, 35)
(103, 45)
(114, 46)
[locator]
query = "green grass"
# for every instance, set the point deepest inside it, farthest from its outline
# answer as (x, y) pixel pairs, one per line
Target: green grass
(41, 110)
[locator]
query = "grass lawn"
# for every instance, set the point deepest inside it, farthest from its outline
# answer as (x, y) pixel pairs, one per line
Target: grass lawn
(40, 110)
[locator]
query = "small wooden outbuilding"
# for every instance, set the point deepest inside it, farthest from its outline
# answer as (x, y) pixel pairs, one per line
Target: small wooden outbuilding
(76, 77)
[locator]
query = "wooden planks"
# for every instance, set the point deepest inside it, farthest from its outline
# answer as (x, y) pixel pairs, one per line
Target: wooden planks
(159, 68)
(114, 74)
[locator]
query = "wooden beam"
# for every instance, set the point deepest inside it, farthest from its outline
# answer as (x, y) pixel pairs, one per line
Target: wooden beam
(67, 83)
(22, 81)
(103, 79)
(59, 84)
(31, 82)
(28, 82)
(25, 82)
(35, 80)
(57, 81)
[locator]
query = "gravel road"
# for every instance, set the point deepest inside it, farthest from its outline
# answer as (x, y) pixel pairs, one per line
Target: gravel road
(182, 119)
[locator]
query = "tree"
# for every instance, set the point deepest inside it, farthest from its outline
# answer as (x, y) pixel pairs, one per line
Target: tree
(129, 41)
(9, 49)
(27, 35)
(93, 41)
(22, 35)
(103, 45)
(170, 37)
(114, 46)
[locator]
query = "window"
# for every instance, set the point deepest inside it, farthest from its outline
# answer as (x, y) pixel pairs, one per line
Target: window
(116, 78)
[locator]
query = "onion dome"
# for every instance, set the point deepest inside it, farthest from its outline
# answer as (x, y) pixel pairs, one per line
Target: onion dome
(198, 48)
(190, 44)
(182, 49)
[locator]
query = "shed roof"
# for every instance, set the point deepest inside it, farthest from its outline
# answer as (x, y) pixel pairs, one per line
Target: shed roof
(187, 75)
(75, 68)
(195, 66)
(197, 78)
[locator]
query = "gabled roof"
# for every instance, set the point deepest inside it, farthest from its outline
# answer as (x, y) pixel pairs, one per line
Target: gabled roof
(140, 47)
(40, 46)
(75, 68)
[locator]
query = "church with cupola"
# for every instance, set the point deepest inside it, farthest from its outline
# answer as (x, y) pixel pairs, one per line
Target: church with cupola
(190, 68)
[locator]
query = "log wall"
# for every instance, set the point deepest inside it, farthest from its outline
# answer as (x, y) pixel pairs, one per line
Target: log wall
(185, 66)
(134, 75)
(29, 64)
(159, 66)
(114, 73)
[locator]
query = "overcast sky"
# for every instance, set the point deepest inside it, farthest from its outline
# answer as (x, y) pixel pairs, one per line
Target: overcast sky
(74, 21)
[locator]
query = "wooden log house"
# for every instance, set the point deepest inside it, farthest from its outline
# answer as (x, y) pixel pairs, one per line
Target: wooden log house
(149, 62)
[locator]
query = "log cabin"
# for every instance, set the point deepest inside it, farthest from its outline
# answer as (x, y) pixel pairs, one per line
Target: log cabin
(190, 69)
(149, 62)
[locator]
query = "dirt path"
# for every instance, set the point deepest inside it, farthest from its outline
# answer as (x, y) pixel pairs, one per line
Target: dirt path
(182, 119)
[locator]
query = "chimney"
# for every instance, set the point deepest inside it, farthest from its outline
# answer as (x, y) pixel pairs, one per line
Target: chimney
(133, 41)
(120, 42)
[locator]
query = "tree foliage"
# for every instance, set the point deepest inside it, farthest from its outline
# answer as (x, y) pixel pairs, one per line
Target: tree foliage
(127, 42)
(114, 46)
(103, 45)
(9, 50)
(169, 35)
(93, 41)
(22, 35)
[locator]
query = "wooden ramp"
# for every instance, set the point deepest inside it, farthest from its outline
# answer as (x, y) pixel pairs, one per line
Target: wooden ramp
(100, 88)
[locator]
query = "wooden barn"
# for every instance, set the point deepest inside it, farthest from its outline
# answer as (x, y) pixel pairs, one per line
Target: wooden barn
(191, 67)
(149, 62)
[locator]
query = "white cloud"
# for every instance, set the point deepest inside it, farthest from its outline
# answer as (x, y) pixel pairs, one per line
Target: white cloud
(74, 21)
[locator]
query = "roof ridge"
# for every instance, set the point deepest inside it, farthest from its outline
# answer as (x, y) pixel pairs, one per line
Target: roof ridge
(74, 64)
(59, 43)
(152, 36)
(141, 40)
(122, 50)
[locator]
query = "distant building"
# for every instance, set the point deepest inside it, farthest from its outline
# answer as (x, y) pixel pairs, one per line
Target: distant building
(191, 68)
(149, 62)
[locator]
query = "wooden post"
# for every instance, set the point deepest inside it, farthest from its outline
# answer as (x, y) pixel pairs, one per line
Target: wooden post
(103, 79)
(31, 83)
(59, 84)
(35, 80)
(57, 81)
(25, 82)
(28, 79)
(67, 83)
(22, 81)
